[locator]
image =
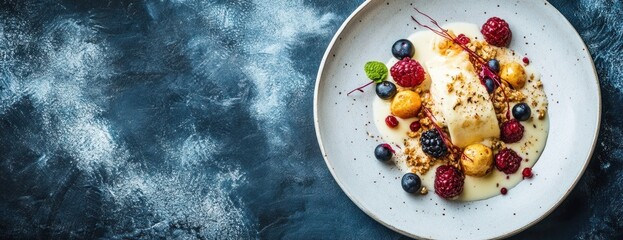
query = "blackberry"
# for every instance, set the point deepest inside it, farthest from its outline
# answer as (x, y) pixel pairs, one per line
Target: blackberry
(432, 144)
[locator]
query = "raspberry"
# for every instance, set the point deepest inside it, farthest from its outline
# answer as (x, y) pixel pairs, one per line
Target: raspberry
(432, 144)
(462, 39)
(507, 161)
(512, 131)
(448, 181)
(408, 72)
(497, 32)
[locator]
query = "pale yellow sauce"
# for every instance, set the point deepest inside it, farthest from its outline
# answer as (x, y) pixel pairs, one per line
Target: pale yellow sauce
(475, 188)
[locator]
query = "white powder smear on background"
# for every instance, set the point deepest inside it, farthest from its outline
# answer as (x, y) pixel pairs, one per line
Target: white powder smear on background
(184, 209)
(281, 83)
(63, 91)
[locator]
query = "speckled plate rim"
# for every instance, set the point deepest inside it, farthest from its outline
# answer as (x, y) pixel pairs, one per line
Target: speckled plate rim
(365, 210)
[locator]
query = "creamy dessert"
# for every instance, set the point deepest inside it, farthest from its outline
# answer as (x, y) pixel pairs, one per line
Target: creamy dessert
(466, 116)
(462, 102)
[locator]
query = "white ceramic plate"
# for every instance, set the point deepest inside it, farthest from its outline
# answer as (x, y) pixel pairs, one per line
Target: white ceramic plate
(344, 123)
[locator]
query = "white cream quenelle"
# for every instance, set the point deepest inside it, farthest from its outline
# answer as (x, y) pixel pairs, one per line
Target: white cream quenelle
(462, 101)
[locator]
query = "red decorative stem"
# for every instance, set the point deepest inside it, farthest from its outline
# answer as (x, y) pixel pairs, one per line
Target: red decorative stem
(486, 71)
(443, 135)
(359, 88)
(389, 147)
(465, 155)
(444, 33)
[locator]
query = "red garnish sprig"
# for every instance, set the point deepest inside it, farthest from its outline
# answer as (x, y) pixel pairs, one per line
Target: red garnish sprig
(360, 89)
(485, 70)
(389, 147)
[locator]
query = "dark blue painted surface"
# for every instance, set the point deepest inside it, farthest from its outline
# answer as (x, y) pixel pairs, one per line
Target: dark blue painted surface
(193, 119)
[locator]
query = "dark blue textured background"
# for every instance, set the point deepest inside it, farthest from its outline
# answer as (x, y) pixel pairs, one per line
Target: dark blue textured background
(193, 119)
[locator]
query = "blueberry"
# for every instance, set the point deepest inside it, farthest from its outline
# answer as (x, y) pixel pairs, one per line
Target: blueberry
(411, 183)
(403, 48)
(386, 90)
(494, 65)
(489, 84)
(521, 111)
(383, 153)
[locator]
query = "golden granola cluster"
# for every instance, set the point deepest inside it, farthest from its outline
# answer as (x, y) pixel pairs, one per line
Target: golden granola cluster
(485, 50)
